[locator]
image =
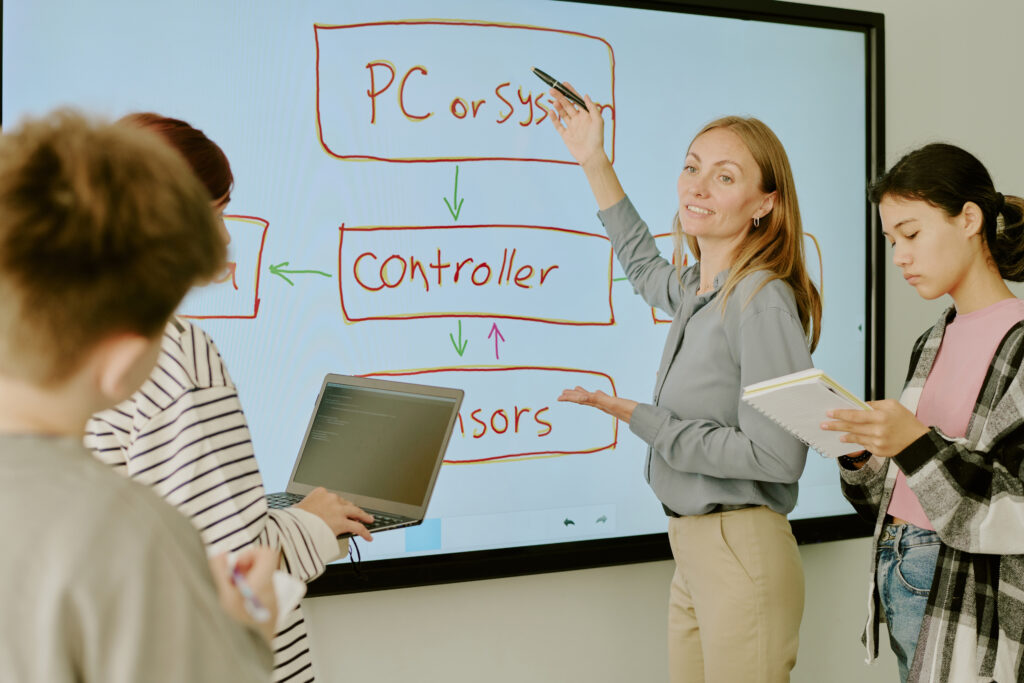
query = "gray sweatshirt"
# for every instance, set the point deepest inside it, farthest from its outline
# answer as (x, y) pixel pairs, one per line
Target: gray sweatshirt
(706, 446)
(101, 581)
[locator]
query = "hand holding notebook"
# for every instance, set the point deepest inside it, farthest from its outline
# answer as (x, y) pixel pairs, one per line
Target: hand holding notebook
(799, 401)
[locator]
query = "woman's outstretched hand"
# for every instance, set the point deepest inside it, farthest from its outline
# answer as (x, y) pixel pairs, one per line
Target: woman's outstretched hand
(620, 408)
(582, 130)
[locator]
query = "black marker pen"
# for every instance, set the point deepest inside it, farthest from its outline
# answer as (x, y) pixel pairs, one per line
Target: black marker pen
(573, 97)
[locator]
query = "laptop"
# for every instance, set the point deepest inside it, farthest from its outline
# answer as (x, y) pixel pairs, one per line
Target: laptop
(378, 443)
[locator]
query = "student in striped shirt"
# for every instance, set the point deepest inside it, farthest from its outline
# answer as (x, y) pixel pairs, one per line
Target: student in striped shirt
(100, 580)
(942, 476)
(184, 434)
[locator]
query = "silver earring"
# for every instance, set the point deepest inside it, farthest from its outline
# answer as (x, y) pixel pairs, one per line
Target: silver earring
(757, 221)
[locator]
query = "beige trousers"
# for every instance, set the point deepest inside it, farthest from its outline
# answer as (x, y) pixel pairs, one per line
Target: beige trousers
(737, 598)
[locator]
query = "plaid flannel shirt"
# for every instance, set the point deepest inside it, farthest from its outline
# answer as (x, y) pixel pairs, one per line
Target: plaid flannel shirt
(973, 493)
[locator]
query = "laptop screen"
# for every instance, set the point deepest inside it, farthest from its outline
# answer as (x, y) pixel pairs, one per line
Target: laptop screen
(380, 443)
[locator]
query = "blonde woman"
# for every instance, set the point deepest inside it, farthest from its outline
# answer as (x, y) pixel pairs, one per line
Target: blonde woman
(745, 311)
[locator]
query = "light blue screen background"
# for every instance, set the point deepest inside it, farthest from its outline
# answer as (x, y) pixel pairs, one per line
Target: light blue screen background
(245, 73)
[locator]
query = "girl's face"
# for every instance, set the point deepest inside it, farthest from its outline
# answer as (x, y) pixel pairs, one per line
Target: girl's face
(218, 206)
(720, 187)
(933, 250)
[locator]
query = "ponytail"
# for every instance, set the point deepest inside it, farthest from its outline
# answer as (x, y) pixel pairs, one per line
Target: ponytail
(947, 177)
(1006, 243)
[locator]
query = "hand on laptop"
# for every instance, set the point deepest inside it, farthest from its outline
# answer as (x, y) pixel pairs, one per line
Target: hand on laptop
(342, 516)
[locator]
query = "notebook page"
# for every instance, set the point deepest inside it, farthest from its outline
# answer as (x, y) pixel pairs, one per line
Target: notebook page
(801, 408)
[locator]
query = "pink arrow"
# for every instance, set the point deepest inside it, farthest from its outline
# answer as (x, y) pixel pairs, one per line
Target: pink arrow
(496, 333)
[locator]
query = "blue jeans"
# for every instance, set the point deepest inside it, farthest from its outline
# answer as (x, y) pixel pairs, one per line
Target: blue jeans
(906, 564)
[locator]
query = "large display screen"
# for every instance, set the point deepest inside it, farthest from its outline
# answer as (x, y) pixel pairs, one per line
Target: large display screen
(403, 208)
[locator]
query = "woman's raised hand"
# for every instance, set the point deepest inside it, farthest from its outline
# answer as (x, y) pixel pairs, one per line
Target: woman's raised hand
(581, 130)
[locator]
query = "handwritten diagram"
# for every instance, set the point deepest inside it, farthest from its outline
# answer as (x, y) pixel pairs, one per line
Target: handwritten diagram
(236, 293)
(375, 84)
(404, 205)
(549, 274)
(509, 413)
(812, 254)
(524, 272)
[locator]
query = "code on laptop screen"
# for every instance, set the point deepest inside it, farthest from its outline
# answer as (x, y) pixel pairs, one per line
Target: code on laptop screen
(375, 443)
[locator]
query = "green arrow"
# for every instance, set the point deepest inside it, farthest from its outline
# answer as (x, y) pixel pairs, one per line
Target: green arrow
(280, 272)
(455, 200)
(460, 346)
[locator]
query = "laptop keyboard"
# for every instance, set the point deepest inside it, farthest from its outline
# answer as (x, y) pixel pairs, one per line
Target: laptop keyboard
(380, 519)
(282, 500)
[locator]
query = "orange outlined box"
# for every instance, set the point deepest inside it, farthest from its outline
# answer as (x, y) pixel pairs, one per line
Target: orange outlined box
(235, 295)
(658, 320)
(661, 239)
(518, 272)
(510, 413)
(435, 90)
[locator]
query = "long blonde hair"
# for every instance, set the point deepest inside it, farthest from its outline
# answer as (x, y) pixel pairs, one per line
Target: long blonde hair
(777, 244)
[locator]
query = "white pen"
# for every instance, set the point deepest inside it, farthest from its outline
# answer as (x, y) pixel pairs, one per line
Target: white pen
(256, 609)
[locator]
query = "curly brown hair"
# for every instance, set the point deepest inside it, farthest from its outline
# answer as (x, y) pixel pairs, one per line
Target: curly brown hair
(103, 229)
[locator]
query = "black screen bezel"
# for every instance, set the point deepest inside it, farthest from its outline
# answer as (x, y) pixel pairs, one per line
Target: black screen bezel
(348, 577)
(355, 577)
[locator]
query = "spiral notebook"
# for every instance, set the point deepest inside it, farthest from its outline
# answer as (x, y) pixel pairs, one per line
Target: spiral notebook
(799, 402)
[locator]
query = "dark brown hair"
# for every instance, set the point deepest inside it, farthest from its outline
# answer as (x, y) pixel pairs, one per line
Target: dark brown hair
(205, 157)
(947, 177)
(103, 229)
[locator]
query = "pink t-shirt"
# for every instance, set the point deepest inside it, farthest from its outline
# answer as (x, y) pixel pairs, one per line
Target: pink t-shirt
(952, 387)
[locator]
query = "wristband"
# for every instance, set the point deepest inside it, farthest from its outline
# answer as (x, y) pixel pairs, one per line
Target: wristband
(850, 462)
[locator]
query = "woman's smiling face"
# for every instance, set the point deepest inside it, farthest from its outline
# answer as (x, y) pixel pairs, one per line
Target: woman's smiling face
(720, 187)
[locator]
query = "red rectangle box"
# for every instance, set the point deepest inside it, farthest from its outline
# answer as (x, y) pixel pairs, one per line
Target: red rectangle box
(666, 246)
(236, 294)
(451, 90)
(518, 272)
(512, 413)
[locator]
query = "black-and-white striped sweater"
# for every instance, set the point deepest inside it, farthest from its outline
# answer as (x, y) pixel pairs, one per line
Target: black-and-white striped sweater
(184, 435)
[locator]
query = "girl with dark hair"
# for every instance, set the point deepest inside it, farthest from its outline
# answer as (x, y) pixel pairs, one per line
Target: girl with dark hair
(941, 476)
(184, 435)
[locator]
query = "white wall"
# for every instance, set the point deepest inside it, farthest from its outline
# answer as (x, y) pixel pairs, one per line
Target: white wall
(594, 625)
(951, 74)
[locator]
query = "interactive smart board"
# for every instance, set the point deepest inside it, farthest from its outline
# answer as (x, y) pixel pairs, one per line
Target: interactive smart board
(404, 209)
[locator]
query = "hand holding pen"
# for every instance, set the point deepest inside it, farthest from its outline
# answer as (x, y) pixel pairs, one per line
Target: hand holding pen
(246, 590)
(259, 612)
(578, 120)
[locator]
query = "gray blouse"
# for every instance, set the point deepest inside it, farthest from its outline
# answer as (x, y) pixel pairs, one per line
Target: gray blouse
(706, 446)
